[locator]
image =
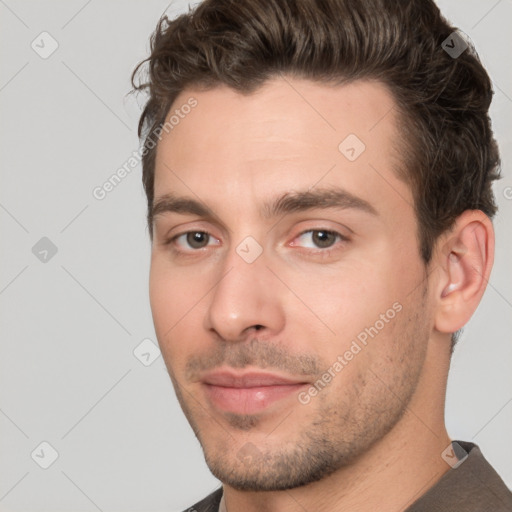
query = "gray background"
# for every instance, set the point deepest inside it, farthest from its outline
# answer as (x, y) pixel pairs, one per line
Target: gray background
(68, 374)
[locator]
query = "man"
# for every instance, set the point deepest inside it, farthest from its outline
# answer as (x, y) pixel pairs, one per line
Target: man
(318, 175)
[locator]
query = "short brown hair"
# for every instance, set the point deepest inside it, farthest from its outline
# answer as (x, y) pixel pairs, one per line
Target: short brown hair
(450, 156)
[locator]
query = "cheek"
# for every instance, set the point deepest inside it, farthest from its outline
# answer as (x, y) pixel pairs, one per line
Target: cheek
(163, 299)
(362, 300)
(177, 308)
(346, 299)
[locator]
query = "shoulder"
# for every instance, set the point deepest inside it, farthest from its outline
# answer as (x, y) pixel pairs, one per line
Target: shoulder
(208, 504)
(470, 486)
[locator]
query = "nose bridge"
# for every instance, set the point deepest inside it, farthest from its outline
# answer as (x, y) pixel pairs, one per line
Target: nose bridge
(244, 296)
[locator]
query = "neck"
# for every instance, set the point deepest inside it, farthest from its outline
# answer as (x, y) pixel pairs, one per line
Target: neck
(389, 476)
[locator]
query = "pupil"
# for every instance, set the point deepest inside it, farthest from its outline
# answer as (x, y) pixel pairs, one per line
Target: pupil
(197, 239)
(323, 238)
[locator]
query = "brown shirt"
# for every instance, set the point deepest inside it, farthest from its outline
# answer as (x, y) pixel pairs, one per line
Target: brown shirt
(473, 486)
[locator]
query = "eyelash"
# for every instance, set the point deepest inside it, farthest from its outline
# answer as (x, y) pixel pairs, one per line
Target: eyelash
(321, 251)
(326, 251)
(172, 240)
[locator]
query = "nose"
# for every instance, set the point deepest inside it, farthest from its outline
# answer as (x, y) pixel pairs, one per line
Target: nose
(246, 299)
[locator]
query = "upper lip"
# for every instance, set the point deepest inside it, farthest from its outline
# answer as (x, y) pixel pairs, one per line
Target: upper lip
(251, 379)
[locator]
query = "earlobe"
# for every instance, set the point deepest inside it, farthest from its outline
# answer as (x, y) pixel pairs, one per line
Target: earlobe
(466, 264)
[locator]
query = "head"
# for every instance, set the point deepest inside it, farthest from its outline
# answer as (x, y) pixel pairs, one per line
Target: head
(318, 176)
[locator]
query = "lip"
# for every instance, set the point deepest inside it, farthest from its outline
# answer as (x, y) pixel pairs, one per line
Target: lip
(248, 392)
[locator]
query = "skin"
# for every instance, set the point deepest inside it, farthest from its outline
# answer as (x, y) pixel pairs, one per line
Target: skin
(373, 436)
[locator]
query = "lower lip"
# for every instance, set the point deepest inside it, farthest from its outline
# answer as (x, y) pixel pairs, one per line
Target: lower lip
(248, 400)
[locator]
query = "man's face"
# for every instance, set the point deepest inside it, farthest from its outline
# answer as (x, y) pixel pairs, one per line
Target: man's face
(290, 305)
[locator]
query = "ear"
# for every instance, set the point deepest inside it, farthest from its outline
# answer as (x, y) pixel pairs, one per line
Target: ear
(465, 262)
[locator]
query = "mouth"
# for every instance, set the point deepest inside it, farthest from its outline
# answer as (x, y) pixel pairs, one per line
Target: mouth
(248, 392)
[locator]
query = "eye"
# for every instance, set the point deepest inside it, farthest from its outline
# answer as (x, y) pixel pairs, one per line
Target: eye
(193, 240)
(318, 239)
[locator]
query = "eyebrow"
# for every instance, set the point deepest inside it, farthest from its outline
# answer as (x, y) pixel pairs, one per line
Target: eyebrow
(290, 202)
(300, 201)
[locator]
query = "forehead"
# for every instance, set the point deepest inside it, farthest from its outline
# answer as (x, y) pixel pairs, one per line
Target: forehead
(288, 134)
